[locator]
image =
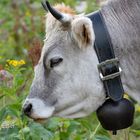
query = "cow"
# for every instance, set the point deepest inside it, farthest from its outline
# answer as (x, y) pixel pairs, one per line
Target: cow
(66, 82)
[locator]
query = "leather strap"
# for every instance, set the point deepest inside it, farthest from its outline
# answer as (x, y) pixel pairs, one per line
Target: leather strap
(105, 52)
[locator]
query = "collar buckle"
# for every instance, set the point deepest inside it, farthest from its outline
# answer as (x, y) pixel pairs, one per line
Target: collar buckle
(108, 65)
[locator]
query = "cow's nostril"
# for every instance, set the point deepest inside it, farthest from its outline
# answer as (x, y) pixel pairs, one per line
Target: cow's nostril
(27, 109)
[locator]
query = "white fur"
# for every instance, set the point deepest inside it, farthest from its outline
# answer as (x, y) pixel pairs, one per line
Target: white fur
(78, 91)
(75, 83)
(66, 18)
(122, 20)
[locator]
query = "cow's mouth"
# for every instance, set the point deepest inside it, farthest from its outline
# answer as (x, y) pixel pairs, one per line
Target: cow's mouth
(40, 120)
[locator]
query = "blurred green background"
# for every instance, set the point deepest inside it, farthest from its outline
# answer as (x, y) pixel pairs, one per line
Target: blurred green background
(22, 28)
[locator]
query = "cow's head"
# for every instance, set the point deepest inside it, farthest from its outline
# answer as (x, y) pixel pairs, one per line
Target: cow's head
(66, 81)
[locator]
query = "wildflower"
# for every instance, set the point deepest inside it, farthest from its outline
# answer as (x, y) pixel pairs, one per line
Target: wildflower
(16, 63)
(22, 62)
(126, 96)
(6, 78)
(9, 122)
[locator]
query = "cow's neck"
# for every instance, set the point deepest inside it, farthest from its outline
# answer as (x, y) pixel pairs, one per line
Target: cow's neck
(122, 18)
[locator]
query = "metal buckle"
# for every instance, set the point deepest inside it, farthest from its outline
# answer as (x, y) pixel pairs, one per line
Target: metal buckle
(110, 76)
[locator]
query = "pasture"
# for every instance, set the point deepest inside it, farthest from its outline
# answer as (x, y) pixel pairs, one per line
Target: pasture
(22, 32)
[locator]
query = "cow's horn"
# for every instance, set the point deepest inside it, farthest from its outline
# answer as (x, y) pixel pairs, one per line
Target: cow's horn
(59, 16)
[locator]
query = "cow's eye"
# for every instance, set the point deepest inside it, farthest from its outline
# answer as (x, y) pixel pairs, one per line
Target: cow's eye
(55, 61)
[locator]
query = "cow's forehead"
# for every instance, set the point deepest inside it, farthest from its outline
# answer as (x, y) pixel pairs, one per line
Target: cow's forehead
(63, 9)
(53, 44)
(54, 32)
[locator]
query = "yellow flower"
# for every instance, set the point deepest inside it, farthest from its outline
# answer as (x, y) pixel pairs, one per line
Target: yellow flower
(22, 62)
(16, 63)
(126, 96)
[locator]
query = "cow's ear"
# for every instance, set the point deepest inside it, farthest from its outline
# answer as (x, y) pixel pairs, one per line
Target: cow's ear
(82, 31)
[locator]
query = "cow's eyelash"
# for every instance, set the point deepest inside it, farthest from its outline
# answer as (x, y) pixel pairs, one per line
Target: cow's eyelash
(55, 61)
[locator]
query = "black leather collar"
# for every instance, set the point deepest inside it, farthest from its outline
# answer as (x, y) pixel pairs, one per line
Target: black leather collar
(108, 64)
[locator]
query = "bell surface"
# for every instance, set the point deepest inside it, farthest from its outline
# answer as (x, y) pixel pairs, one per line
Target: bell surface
(116, 115)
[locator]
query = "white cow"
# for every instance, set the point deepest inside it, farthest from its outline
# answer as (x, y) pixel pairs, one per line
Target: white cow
(66, 81)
